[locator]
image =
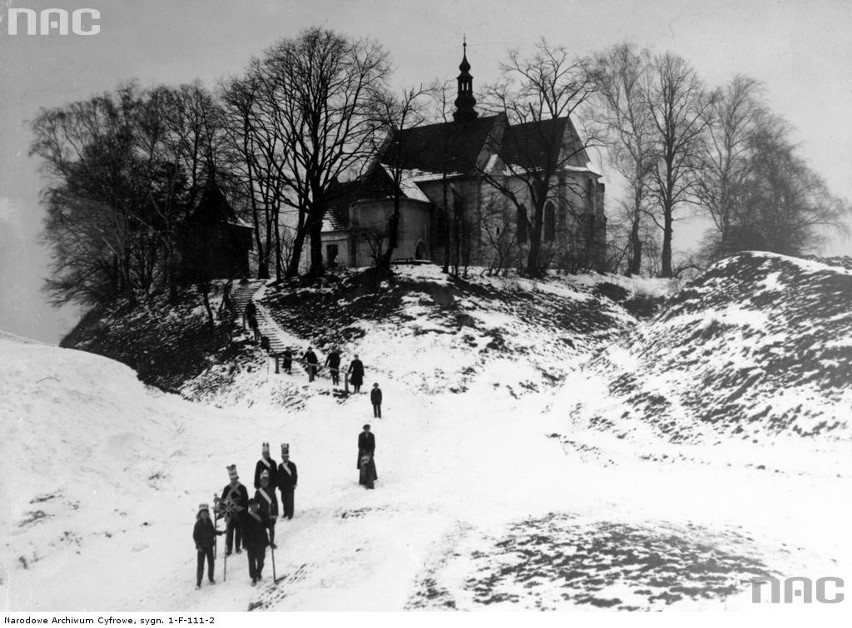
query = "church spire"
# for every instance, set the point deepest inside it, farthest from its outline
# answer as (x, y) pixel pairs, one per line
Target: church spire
(465, 101)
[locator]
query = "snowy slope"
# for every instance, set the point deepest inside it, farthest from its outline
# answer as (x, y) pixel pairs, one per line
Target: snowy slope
(757, 348)
(485, 333)
(482, 502)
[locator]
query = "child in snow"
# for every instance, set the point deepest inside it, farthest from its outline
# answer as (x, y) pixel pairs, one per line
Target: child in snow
(204, 535)
(376, 399)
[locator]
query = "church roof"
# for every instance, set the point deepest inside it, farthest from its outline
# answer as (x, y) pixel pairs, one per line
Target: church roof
(534, 144)
(451, 147)
(213, 208)
(341, 194)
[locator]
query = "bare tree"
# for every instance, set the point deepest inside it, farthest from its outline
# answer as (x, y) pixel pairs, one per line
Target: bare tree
(728, 154)
(318, 97)
(625, 121)
(112, 193)
(395, 114)
(786, 208)
(250, 110)
(538, 94)
(679, 107)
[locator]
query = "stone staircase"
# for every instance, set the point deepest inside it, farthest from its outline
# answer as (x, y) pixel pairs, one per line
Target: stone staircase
(279, 340)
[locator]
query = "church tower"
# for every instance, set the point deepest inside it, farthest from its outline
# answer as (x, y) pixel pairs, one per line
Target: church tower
(465, 101)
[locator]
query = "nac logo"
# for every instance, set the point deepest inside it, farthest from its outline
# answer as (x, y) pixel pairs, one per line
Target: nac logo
(798, 589)
(53, 22)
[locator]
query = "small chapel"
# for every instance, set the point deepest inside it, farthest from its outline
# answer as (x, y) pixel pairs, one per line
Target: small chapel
(461, 193)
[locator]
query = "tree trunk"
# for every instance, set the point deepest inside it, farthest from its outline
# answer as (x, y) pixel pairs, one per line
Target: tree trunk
(278, 263)
(298, 245)
(316, 269)
(446, 208)
(535, 242)
(393, 233)
(204, 288)
(667, 243)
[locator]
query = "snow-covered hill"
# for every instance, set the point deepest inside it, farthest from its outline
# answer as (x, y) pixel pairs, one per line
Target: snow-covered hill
(757, 348)
(493, 498)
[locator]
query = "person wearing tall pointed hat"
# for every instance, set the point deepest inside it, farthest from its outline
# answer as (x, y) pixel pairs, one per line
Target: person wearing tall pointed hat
(267, 501)
(266, 463)
(256, 540)
(288, 478)
(204, 534)
(232, 507)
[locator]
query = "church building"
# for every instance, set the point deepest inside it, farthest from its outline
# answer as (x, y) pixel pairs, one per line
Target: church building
(463, 190)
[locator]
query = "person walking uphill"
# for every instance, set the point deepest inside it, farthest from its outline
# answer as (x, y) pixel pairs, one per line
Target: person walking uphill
(311, 362)
(204, 534)
(249, 312)
(376, 399)
(232, 506)
(255, 540)
(288, 478)
(332, 361)
(356, 374)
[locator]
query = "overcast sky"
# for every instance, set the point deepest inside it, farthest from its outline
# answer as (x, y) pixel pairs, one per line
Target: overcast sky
(801, 50)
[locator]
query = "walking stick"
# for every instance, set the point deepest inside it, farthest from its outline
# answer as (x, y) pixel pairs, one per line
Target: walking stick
(274, 576)
(225, 568)
(215, 525)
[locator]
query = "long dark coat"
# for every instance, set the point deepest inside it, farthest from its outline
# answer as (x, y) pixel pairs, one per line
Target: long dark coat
(367, 446)
(376, 396)
(287, 481)
(356, 372)
(333, 360)
(266, 465)
(267, 508)
(254, 531)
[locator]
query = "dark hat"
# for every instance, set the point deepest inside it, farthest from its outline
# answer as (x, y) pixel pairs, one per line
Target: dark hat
(366, 426)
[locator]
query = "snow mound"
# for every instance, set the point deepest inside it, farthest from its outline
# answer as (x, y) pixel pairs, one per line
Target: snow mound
(513, 334)
(758, 347)
(86, 450)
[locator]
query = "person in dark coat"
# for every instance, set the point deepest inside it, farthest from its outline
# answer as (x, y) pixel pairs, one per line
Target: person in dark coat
(204, 534)
(254, 326)
(366, 462)
(376, 400)
(267, 502)
(332, 361)
(232, 506)
(255, 540)
(311, 362)
(356, 374)
(249, 311)
(287, 361)
(288, 478)
(266, 463)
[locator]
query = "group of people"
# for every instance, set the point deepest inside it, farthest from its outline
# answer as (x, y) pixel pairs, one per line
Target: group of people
(250, 522)
(354, 374)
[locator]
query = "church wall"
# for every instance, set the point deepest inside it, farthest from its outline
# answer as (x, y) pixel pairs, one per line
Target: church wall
(370, 221)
